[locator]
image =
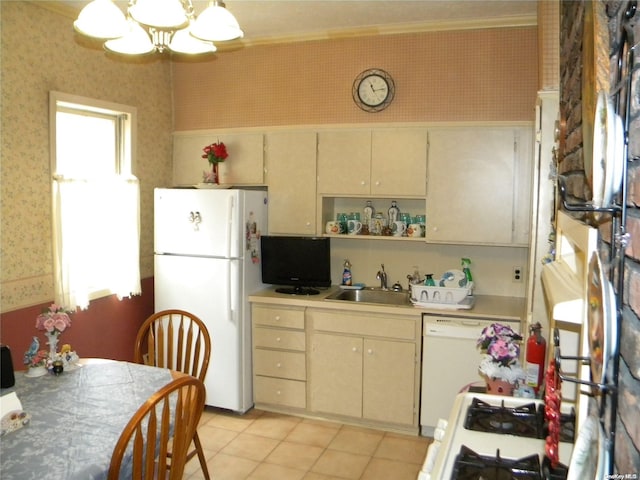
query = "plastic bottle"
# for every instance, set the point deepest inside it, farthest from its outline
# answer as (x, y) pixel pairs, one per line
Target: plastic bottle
(428, 280)
(394, 213)
(466, 269)
(346, 273)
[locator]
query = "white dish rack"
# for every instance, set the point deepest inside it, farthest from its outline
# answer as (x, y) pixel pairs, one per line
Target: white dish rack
(450, 297)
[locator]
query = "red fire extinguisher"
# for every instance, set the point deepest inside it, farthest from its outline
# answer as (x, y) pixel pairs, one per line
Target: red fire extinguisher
(536, 354)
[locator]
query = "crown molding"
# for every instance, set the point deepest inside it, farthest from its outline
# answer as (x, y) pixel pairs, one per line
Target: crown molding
(399, 29)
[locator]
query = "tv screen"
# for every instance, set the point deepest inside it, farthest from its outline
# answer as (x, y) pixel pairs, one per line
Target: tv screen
(296, 264)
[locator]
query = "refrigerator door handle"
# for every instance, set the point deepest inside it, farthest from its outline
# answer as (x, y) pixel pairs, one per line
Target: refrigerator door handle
(230, 224)
(229, 309)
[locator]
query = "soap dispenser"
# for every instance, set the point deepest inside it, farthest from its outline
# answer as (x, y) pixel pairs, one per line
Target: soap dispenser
(346, 273)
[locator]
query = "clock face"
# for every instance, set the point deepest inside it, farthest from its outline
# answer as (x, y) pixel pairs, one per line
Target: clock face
(373, 90)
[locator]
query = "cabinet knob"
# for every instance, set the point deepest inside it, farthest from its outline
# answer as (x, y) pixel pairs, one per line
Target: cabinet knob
(370, 352)
(277, 318)
(362, 182)
(278, 365)
(378, 183)
(277, 339)
(354, 349)
(278, 392)
(308, 224)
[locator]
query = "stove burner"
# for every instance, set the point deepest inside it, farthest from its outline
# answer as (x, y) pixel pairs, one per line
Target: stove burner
(524, 420)
(471, 466)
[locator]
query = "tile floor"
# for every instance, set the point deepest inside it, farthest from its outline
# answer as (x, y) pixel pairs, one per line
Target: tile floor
(269, 446)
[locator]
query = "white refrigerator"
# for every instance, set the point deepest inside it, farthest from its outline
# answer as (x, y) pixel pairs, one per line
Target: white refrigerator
(207, 262)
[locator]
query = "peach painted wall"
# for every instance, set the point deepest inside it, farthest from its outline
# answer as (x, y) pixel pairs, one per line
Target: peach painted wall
(449, 76)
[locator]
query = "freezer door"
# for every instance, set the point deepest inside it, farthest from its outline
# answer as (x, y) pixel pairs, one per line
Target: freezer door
(210, 289)
(198, 222)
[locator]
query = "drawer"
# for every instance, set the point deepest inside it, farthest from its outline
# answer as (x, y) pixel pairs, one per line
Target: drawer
(366, 324)
(278, 391)
(273, 363)
(291, 317)
(276, 338)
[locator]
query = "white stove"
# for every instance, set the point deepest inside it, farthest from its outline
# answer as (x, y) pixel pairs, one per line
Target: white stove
(452, 436)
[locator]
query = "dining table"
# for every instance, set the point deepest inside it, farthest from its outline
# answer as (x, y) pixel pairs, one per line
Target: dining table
(76, 418)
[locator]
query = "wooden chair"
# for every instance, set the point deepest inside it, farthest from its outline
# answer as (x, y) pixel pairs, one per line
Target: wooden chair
(177, 340)
(169, 417)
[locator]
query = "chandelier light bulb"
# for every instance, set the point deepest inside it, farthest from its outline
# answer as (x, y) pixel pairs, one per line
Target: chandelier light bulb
(216, 24)
(135, 42)
(182, 42)
(101, 19)
(161, 14)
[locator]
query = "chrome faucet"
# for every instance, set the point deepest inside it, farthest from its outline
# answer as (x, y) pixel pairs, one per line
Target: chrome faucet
(382, 276)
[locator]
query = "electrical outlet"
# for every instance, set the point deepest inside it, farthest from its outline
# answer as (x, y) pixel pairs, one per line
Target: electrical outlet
(518, 273)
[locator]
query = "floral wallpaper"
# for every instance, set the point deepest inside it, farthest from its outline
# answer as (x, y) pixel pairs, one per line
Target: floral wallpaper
(40, 52)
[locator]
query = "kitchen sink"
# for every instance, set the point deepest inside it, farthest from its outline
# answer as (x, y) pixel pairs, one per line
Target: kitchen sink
(371, 295)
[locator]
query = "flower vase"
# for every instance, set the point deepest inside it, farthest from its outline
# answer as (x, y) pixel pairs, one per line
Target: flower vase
(52, 338)
(498, 386)
(214, 173)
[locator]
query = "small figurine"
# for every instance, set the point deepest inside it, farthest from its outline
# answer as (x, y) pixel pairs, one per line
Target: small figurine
(33, 349)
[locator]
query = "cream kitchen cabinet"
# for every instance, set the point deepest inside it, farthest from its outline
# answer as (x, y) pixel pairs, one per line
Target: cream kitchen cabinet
(290, 159)
(279, 358)
(479, 185)
(244, 166)
(379, 162)
(364, 366)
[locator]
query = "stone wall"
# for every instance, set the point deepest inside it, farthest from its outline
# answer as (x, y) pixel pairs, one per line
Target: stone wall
(586, 29)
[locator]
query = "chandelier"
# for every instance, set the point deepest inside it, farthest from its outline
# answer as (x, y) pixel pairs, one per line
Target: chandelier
(157, 25)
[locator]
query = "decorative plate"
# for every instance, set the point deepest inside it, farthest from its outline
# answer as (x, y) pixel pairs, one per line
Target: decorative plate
(213, 186)
(601, 316)
(585, 451)
(453, 279)
(601, 126)
(612, 167)
(618, 156)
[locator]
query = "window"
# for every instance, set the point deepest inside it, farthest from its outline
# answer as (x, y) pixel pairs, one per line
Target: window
(96, 220)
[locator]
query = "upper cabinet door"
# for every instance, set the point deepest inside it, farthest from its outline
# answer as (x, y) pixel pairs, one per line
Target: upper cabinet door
(479, 185)
(399, 162)
(244, 166)
(291, 177)
(344, 159)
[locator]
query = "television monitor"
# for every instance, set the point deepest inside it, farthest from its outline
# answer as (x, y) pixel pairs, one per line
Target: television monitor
(296, 265)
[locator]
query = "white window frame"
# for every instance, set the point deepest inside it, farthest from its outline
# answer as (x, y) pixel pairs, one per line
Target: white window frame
(125, 121)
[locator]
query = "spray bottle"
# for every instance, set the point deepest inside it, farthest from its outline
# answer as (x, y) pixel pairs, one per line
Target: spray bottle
(346, 273)
(467, 270)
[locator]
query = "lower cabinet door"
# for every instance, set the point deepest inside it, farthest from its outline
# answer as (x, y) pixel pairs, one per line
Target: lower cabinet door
(389, 381)
(335, 376)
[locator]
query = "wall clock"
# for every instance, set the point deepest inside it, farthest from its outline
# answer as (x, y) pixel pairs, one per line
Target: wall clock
(373, 90)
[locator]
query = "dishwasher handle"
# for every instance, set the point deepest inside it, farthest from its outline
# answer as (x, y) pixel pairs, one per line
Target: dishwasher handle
(468, 328)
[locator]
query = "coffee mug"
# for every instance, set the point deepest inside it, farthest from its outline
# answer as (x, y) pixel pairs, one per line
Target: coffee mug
(414, 230)
(353, 227)
(333, 227)
(398, 228)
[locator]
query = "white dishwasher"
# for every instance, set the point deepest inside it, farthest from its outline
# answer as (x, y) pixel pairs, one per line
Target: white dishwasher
(450, 362)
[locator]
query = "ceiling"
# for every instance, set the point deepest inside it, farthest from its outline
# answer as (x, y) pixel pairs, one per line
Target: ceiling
(268, 21)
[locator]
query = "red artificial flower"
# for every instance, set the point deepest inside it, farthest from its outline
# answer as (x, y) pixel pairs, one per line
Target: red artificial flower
(215, 153)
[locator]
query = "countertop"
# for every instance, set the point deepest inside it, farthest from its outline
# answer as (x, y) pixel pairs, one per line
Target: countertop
(486, 306)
